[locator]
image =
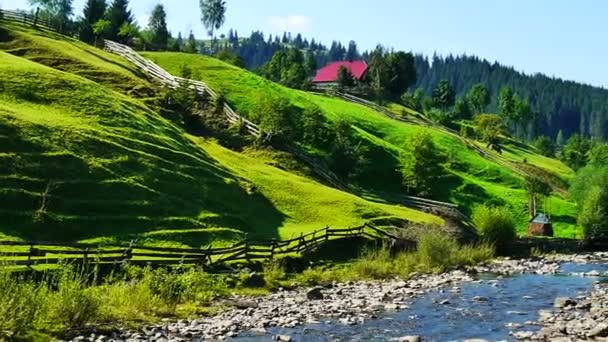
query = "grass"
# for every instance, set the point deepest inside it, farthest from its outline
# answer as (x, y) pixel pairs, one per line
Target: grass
(69, 298)
(84, 157)
(472, 180)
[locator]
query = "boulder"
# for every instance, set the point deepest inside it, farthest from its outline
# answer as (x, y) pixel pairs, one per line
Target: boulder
(315, 293)
(282, 338)
(409, 339)
(562, 302)
(601, 330)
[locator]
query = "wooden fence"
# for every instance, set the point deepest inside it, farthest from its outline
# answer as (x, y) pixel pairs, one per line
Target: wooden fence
(26, 18)
(320, 170)
(14, 253)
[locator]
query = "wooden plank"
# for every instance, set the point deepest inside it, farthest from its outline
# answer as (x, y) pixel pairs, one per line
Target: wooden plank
(169, 255)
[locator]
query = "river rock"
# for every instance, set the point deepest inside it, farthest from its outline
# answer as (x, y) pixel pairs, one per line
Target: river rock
(315, 293)
(562, 302)
(412, 338)
(601, 330)
(282, 338)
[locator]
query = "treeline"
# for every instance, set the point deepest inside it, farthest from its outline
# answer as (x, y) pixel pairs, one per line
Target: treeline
(565, 106)
(113, 20)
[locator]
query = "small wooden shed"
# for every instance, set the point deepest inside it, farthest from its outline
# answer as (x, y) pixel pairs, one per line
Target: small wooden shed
(540, 225)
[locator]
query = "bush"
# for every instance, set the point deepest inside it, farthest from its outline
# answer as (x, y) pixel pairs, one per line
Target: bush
(273, 274)
(421, 167)
(436, 251)
(494, 225)
(593, 216)
(277, 117)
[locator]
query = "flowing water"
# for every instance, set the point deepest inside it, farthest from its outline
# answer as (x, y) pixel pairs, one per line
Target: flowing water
(489, 308)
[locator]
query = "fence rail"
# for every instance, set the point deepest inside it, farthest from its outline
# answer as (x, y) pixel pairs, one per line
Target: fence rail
(26, 18)
(15, 253)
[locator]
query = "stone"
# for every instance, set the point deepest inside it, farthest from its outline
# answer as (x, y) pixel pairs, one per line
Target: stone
(444, 302)
(562, 302)
(601, 330)
(409, 339)
(480, 299)
(315, 293)
(282, 338)
(523, 335)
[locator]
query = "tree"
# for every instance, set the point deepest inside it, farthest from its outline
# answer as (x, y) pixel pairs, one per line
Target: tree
(310, 63)
(506, 103)
(479, 98)
(489, 127)
(545, 146)
(93, 11)
(191, 46)
(574, 153)
(345, 78)
(277, 117)
(101, 29)
(128, 31)
(231, 58)
(443, 95)
(598, 155)
(177, 44)
(378, 72)
(538, 189)
(401, 67)
(58, 12)
(421, 164)
(316, 130)
(462, 109)
(348, 157)
(593, 216)
(158, 26)
(119, 14)
(287, 67)
(213, 14)
(352, 53)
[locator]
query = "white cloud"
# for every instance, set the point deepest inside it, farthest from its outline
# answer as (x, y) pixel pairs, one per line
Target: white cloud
(293, 23)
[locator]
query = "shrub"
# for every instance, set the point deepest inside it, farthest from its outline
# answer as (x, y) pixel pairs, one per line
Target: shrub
(273, 274)
(593, 216)
(436, 251)
(494, 225)
(421, 164)
(277, 117)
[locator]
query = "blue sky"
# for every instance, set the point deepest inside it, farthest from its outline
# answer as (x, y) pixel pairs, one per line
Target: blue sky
(562, 38)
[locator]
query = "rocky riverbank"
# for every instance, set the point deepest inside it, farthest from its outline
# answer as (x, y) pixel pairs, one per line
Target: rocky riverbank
(346, 303)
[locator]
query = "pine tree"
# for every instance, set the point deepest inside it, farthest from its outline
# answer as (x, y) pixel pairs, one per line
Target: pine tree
(119, 14)
(93, 11)
(158, 26)
(191, 46)
(352, 53)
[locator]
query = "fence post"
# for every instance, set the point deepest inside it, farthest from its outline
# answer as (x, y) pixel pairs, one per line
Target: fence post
(29, 257)
(36, 17)
(85, 257)
(272, 247)
(247, 251)
(326, 233)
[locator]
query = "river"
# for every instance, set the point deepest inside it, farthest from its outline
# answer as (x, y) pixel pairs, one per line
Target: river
(488, 308)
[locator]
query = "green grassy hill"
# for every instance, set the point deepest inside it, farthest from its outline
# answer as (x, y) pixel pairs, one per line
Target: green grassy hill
(473, 179)
(84, 157)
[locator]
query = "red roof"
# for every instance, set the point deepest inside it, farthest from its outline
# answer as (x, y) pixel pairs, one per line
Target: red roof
(329, 73)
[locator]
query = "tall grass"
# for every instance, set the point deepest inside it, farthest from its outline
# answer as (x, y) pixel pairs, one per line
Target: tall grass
(435, 253)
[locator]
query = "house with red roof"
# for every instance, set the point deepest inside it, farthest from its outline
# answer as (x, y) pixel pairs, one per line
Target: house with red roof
(328, 75)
